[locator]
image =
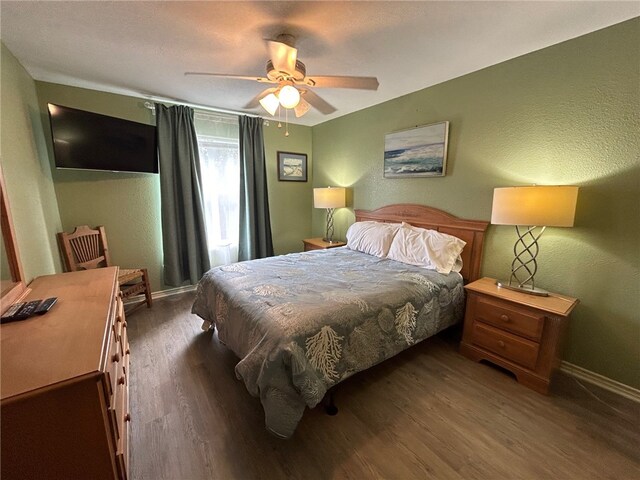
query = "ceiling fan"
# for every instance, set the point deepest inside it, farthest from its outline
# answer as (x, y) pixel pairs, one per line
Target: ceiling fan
(289, 75)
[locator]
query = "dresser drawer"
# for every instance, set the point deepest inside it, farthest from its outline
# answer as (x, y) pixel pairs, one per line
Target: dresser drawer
(510, 317)
(125, 340)
(123, 418)
(120, 307)
(119, 318)
(117, 329)
(122, 454)
(114, 360)
(519, 350)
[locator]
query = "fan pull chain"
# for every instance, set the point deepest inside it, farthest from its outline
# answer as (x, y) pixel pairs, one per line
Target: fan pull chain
(279, 117)
(286, 122)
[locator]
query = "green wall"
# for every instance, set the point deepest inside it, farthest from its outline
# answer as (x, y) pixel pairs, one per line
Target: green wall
(289, 202)
(128, 205)
(26, 170)
(568, 114)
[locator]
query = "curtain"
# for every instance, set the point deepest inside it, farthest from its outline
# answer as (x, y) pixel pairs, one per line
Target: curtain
(220, 164)
(255, 224)
(183, 230)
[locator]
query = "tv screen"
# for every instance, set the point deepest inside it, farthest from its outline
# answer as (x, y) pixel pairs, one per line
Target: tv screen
(92, 141)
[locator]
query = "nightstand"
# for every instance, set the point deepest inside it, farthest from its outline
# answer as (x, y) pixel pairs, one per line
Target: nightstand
(319, 244)
(519, 332)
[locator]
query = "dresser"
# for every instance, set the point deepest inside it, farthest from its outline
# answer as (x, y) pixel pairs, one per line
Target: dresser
(320, 244)
(65, 382)
(517, 331)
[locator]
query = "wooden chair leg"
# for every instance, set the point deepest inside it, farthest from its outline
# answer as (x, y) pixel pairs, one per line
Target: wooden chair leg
(147, 288)
(133, 307)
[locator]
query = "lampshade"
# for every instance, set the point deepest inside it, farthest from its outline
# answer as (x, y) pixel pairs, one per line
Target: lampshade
(270, 103)
(549, 206)
(330, 197)
(289, 96)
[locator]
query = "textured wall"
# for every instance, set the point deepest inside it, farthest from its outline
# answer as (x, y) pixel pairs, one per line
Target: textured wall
(26, 170)
(568, 114)
(290, 203)
(128, 204)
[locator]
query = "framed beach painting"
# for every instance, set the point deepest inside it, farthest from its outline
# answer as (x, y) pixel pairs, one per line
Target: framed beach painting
(292, 167)
(417, 152)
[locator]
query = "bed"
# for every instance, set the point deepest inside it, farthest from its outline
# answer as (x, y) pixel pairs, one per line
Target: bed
(301, 323)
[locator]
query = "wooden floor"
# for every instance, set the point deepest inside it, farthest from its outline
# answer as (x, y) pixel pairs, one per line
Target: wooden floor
(426, 414)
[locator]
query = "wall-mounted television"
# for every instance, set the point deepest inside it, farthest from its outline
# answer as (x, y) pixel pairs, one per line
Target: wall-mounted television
(87, 140)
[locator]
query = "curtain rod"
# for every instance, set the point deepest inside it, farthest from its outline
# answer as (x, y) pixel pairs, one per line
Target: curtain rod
(151, 106)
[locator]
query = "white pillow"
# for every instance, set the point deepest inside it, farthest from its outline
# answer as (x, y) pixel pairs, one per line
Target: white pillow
(373, 238)
(427, 248)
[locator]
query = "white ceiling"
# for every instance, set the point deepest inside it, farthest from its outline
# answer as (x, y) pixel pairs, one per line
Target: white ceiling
(143, 48)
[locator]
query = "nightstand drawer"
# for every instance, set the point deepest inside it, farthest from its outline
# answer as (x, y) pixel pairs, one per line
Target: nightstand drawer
(517, 331)
(509, 317)
(519, 350)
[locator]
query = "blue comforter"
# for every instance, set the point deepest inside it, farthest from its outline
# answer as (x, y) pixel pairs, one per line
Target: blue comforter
(301, 323)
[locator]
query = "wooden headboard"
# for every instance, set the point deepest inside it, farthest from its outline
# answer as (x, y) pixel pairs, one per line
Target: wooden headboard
(471, 231)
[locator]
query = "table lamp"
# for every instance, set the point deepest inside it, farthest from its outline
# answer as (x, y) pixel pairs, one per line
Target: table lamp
(531, 209)
(329, 198)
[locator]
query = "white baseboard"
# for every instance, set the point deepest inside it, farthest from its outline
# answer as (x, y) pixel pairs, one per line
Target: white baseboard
(600, 381)
(162, 293)
(173, 291)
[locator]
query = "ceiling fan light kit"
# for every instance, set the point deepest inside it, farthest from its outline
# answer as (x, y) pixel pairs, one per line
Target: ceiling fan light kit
(270, 103)
(289, 96)
(287, 72)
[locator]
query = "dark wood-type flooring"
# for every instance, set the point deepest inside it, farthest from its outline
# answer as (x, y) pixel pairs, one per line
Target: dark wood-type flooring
(428, 413)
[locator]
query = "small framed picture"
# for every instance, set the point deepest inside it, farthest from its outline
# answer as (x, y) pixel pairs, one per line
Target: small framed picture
(292, 167)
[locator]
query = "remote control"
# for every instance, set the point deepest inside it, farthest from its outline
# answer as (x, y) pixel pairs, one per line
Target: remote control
(10, 314)
(45, 306)
(27, 310)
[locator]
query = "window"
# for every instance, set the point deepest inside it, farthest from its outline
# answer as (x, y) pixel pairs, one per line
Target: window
(220, 166)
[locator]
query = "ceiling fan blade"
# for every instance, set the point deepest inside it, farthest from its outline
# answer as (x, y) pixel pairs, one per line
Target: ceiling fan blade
(255, 101)
(282, 56)
(302, 108)
(225, 75)
(329, 81)
(318, 103)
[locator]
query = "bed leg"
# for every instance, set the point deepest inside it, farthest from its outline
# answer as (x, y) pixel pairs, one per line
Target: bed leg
(206, 326)
(329, 404)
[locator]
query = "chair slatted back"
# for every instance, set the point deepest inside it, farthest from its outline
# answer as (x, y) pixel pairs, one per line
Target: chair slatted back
(84, 248)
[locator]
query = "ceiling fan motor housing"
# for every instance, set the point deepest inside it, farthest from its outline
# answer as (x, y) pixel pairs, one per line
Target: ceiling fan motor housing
(275, 75)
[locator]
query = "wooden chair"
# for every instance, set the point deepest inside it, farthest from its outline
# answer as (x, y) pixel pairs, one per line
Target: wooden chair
(84, 249)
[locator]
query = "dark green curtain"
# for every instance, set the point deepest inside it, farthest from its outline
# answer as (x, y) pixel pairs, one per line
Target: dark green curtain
(255, 223)
(184, 237)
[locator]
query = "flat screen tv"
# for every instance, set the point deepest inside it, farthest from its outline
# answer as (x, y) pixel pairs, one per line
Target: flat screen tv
(86, 140)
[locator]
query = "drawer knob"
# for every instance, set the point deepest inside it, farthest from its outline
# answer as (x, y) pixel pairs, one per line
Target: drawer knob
(115, 357)
(125, 324)
(121, 380)
(128, 351)
(501, 343)
(504, 318)
(127, 417)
